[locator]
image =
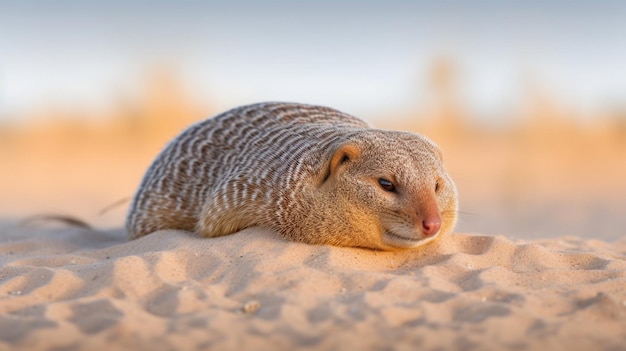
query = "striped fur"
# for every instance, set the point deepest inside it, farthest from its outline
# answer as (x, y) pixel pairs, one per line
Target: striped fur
(268, 165)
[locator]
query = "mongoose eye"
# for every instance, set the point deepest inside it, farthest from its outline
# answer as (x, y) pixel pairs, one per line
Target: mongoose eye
(437, 186)
(386, 184)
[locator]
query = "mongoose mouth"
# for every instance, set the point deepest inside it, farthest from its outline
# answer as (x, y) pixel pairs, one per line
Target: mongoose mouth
(397, 240)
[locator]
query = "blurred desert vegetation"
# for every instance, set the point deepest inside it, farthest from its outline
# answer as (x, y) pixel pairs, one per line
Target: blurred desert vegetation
(546, 172)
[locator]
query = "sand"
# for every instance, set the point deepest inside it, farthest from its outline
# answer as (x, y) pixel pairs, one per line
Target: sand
(67, 288)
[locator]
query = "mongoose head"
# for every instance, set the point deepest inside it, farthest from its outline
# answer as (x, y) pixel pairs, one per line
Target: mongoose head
(388, 190)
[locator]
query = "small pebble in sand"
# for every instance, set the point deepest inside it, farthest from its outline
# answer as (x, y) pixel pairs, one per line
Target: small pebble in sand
(251, 306)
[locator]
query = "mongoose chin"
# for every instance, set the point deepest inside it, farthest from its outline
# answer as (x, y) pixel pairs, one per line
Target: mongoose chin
(311, 173)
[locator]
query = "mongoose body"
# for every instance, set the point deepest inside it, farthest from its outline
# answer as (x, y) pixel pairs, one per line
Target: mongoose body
(311, 173)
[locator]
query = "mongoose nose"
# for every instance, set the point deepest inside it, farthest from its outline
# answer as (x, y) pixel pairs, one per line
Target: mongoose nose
(431, 225)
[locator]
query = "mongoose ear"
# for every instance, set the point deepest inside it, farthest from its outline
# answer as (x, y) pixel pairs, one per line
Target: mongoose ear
(342, 155)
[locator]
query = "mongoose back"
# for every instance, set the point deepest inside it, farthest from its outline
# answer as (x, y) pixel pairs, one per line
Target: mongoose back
(311, 173)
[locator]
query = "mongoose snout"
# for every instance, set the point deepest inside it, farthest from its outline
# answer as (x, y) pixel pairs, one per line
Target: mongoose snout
(431, 222)
(429, 218)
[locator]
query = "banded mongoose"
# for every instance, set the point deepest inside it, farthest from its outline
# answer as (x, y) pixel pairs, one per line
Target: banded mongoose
(311, 173)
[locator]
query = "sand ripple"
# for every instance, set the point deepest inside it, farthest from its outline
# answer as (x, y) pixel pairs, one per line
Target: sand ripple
(78, 289)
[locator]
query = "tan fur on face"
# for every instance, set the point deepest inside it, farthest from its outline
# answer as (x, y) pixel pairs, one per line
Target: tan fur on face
(413, 163)
(309, 172)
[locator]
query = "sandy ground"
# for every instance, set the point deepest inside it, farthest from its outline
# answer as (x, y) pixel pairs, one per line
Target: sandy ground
(65, 288)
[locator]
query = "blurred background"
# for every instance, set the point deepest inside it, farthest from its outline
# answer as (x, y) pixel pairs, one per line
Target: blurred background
(526, 98)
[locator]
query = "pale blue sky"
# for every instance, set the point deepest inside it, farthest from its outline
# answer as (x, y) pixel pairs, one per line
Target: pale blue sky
(359, 56)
